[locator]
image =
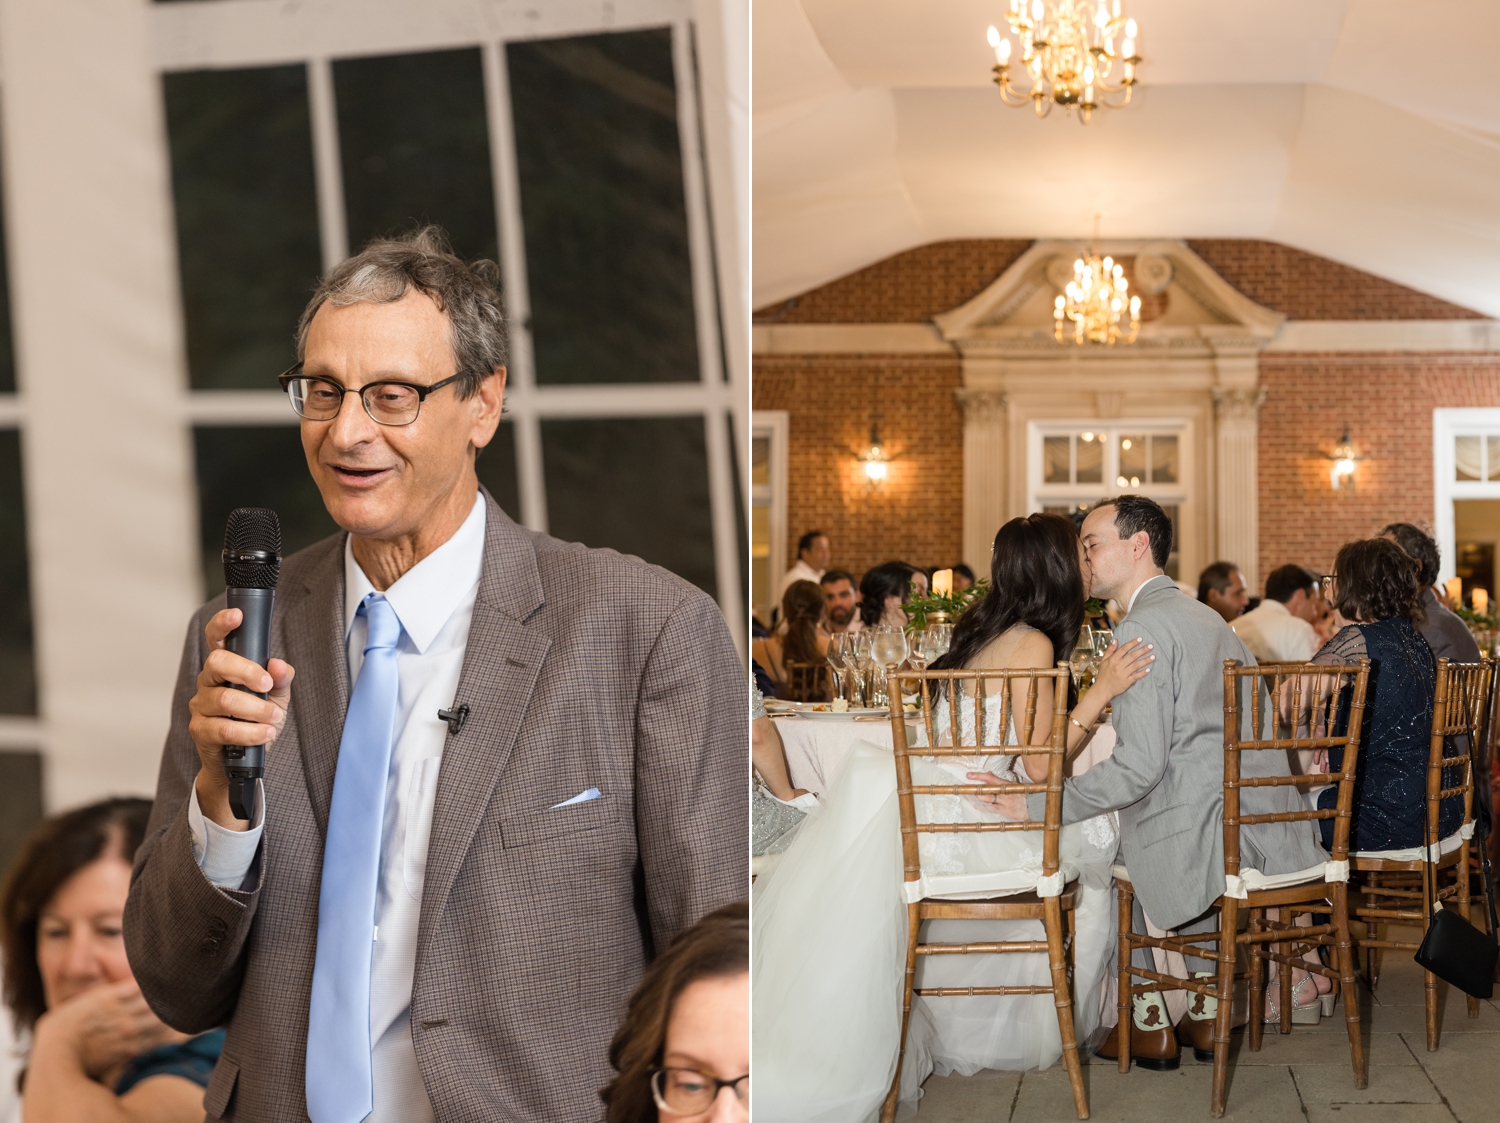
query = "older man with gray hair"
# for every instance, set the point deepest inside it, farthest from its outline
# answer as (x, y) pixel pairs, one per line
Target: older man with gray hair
(509, 769)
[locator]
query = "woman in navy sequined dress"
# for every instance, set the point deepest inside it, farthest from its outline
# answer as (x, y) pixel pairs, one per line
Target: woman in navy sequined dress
(1375, 586)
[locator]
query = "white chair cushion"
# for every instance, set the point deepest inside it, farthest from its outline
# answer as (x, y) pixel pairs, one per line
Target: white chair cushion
(1414, 853)
(977, 886)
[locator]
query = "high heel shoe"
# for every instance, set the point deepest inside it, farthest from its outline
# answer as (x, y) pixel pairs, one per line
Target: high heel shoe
(1304, 1013)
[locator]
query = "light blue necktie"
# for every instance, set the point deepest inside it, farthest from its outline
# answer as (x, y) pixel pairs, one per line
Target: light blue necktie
(339, 1087)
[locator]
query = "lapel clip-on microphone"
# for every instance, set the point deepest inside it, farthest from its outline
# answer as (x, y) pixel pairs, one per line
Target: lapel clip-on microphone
(252, 565)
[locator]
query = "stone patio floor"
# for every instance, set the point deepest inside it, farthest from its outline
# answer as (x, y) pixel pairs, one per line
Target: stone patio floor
(1304, 1075)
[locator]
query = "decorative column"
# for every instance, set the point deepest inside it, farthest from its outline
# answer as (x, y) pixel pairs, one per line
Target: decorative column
(984, 473)
(1237, 528)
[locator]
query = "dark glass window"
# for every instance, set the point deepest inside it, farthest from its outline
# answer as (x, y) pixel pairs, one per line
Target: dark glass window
(7, 344)
(254, 466)
(247, 218)
(602, 207)
(20, 801)
(496, 467)
(416, 148)
(638, 485)
(17, 657)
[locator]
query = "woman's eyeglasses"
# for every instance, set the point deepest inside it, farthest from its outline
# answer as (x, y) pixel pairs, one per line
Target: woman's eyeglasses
(685, 1091)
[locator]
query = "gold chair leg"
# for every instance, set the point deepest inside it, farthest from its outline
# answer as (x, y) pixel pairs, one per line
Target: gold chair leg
(1429, 980)
(888, 1109)
(1464, 882)
(1256, 985)
(1062, 999)
(1349, 986)
(1122, 1028)
(1228, 927)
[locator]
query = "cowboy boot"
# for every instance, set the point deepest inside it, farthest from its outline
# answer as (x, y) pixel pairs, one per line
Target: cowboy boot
(1153, 1045)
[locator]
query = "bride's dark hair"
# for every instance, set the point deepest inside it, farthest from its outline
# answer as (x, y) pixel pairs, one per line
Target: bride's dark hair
(1035, 579)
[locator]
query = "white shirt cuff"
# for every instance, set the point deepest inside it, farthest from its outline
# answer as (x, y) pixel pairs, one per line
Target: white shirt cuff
(223, 855)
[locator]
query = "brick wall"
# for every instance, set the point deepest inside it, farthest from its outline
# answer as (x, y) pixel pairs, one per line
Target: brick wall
(1387, 403)
(917, 515)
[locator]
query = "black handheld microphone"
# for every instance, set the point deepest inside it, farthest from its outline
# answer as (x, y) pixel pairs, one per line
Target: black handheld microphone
(252, 563)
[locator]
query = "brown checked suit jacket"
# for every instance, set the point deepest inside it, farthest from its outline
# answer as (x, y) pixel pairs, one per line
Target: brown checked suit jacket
(584, 669)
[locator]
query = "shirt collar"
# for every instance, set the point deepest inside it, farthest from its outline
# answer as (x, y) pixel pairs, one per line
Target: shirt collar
(428, 593)
(1274, 607)
(1142, 587)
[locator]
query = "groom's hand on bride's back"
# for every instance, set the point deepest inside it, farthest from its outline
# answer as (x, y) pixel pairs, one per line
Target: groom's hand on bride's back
(1011, 807)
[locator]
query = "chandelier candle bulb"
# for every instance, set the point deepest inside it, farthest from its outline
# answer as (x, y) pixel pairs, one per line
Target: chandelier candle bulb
(1454, 587)
(1480, 597)
(942, 583)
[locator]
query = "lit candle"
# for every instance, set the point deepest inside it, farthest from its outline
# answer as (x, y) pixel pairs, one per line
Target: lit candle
(1454, 587)
(942, 583)
(1481, 598)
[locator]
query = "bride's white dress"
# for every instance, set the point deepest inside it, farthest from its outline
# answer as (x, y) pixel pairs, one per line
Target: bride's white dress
(829, 945)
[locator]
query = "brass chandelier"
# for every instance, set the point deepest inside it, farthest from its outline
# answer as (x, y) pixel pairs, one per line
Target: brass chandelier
(1097, 305)
(1069, 49)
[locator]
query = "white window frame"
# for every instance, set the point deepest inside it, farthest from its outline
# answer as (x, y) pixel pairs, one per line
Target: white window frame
(1182, 494)
(214, 34)
(773, 425)
(1446, 425)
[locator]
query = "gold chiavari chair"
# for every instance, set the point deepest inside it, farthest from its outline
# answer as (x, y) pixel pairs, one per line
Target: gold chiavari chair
(1047, 895)
(1395, 881)
(1277, 692)
(808, 682)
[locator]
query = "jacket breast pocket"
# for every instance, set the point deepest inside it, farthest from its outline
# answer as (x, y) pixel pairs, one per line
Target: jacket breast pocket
(1163, 824)
(532, 827)
(220, 1091)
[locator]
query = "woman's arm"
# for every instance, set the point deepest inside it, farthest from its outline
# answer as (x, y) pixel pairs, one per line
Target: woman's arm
(769, 757)
(1118, 669)
(92, 1035)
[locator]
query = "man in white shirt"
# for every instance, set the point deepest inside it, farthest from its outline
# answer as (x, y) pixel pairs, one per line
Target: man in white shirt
(452, 878)
(813, 556)
(1280, 628)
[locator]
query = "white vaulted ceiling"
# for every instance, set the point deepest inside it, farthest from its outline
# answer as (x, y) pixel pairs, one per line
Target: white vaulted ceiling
(1366, 131)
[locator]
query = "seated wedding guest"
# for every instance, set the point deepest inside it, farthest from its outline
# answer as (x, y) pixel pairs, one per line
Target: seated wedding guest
(842, 601)
(776, 807)
(963, 578)
(1375, 587)
(1222, 587)
(1280, 628)
(98, 1052)
(882, 592)
(1447, 635)
(813, 555)
(830, 918)
(683, 1050)
(802, 638)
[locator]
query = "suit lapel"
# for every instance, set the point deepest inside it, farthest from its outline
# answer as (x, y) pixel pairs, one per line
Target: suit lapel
(501, 663)
(314, 631)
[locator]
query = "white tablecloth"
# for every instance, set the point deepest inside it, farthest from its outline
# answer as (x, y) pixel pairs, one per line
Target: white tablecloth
(815, 750)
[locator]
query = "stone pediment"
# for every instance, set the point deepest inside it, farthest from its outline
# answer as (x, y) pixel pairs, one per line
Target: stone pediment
(1190, 308)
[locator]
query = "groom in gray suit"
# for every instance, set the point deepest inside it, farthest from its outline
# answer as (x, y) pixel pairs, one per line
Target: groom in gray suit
(1167, 773)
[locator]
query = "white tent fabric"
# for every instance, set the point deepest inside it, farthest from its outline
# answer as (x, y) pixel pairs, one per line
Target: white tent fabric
(1365, 131)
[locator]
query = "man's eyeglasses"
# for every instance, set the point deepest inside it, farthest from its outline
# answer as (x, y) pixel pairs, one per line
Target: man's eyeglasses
(684, 1091)
(387, 403)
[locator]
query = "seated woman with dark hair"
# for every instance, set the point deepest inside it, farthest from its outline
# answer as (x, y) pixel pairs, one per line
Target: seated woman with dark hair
(98, 1053)
(883, 590)
(802, 638)
(683, 1051)
(1375, 586)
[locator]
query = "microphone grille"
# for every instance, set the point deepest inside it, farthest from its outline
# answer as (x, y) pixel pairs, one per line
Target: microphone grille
(252, 548)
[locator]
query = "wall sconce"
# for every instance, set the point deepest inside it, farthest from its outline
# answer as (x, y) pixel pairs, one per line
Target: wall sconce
(875, 460)
(1344, 460)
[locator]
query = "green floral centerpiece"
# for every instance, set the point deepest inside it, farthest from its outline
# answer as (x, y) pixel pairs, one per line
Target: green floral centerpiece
(920, 610)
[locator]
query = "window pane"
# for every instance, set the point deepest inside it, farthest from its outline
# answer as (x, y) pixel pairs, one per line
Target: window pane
(1090, 452)
(638, 485)
(247, 218)
(254, 466)
(496, 468)
(20, 801)
(760, 462)
(415, 147)
(1493, 453)
(742, 536)
(1466, 458)
(603, 209)
(17, 659)
(1163, 459)
(1055, 460)
(1132, 460)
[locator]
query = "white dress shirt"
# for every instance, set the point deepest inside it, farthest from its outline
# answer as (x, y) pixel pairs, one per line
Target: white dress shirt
(434, 601)
(1274, 635)
(799, 572)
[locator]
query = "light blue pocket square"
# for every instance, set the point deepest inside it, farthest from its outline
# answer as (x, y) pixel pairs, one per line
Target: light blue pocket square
(581, 797)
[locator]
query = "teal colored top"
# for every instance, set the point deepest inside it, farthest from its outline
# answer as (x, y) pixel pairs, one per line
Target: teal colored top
(193, 1060)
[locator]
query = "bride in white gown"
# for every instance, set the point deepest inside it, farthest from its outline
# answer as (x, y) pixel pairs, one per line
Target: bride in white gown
(829, 922)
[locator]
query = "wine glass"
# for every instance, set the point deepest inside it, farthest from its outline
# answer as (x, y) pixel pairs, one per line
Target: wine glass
(1083, 659)
(835, 657)
(887, 648)
(936, 639)
(857, 659)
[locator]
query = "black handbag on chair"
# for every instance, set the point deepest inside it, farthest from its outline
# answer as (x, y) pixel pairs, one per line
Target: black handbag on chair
(1453, 949)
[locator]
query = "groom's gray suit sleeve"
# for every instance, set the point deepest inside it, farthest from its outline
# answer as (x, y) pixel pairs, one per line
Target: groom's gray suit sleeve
(1143, 731)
